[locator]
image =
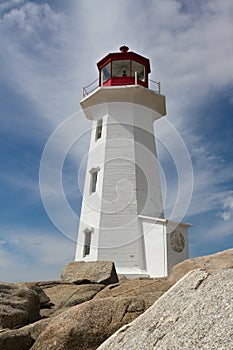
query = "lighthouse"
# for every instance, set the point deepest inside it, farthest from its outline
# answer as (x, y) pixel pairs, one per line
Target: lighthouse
(122, 216)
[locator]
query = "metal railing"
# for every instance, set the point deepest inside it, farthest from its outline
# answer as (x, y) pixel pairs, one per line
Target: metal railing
(91, 87)
(157, 84)
(154, 85)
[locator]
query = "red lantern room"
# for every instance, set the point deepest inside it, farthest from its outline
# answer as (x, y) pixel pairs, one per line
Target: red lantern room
(123, 68)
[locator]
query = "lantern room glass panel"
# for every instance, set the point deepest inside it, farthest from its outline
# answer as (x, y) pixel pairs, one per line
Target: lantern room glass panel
(106, 72)
(120, 68)
(140, 69)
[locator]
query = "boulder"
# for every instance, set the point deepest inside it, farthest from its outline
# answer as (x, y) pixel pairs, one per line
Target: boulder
(196, 313)
(44, 299)
(16, 339)
(87, 325)
(23, 338)
(81, 272)
(64, 295)
(18, 306)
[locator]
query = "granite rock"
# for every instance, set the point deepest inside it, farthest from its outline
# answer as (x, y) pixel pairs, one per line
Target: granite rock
(196, 313)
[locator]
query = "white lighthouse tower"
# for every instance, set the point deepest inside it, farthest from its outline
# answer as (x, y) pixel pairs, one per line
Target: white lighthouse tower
(122, 218)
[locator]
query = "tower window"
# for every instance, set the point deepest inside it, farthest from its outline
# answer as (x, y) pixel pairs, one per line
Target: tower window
(87, 242)
(94, 177)
(99, 128)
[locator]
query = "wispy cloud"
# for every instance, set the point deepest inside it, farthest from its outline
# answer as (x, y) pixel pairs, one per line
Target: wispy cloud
(227, 209)
(32, 37)
(9, 4)
(33, 254)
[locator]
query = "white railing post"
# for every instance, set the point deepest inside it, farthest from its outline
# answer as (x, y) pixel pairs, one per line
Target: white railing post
(136, 78)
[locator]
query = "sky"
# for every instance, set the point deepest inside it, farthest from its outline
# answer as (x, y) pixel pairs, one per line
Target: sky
(48, 52)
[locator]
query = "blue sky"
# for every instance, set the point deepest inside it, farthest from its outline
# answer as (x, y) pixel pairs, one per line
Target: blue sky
(48, 51)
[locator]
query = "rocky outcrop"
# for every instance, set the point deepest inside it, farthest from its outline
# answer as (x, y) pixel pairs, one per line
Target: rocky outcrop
(87, 325)
(194, 314)
(18, 306)
(81, 315)
(150, 289)
(80, 272)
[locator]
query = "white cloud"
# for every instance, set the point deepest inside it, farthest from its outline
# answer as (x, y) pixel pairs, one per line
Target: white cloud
(31, 21)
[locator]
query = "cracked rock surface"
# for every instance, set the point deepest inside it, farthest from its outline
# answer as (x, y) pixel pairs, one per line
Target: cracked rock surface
(196, 313)
(87, 325)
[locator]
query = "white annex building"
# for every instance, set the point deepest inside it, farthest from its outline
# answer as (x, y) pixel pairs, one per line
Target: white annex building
(122, 218)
